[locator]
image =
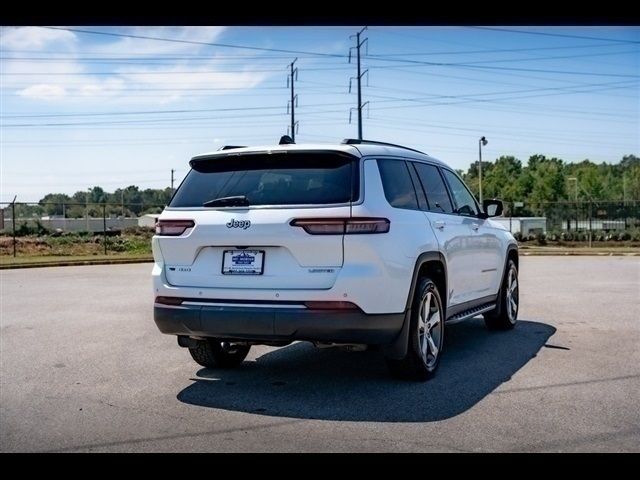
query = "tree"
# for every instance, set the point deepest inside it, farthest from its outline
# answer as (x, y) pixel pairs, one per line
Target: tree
(53, 203)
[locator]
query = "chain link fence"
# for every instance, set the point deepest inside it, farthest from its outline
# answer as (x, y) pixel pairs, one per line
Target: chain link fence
(34, 229)
(64, 229)
(574, 221)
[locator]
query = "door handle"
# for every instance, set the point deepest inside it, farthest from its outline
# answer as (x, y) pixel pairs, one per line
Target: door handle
(439, 224)
(475, 226)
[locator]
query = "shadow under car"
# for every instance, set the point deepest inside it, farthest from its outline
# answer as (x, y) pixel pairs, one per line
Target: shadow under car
(301, 381)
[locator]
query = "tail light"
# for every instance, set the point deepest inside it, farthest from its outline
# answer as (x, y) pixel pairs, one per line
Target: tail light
(338, 226)
(173, 227)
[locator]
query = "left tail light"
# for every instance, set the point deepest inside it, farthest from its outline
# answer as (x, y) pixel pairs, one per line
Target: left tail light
(173, 228)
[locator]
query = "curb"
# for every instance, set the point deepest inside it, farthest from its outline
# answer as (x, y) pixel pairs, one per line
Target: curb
(73, 263)
(579, 254)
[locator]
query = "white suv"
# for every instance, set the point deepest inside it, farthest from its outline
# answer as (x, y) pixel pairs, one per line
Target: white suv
(362, 243)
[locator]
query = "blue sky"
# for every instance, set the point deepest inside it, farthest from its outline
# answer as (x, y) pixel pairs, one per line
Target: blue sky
(81, 109)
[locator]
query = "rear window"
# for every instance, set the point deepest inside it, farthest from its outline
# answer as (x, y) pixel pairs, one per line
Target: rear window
(294, 178)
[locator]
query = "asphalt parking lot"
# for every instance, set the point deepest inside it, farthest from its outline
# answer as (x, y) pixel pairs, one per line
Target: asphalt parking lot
(83, 368)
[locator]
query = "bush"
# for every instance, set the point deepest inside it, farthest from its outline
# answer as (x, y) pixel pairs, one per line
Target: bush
(554, 235)
(624, 236)
(518, 236)
(35, 228)
(146, 231)
(541, 238)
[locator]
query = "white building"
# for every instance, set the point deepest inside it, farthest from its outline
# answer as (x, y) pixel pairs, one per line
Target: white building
(148, 220)
(524, 225)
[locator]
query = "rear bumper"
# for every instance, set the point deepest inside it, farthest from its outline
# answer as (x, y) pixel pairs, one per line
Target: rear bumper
(273, 324)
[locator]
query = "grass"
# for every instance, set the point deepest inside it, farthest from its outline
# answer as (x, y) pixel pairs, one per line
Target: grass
(137, 242)
(75, 249)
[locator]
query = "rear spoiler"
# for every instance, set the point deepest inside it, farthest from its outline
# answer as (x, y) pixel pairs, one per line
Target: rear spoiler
(261, 156)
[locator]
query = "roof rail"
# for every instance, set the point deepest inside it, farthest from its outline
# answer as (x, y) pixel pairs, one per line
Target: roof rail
(230, 147)
(355, 141)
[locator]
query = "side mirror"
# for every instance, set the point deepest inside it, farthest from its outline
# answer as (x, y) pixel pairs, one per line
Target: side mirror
(492, 208)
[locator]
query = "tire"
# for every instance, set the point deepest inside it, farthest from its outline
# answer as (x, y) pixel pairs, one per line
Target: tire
(212, 353)
(509, 302)
(426, 338)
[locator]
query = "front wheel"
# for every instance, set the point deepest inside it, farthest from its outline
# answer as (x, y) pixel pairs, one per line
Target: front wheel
(509, 302)
(426, 335)
(212, 353)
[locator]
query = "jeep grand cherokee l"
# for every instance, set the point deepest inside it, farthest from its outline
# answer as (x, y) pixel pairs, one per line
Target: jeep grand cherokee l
(355, 243)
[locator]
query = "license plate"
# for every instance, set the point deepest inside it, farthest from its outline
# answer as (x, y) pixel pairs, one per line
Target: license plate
(242, 262)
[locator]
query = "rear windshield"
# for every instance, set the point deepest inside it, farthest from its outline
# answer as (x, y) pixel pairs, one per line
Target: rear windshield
(294, 178)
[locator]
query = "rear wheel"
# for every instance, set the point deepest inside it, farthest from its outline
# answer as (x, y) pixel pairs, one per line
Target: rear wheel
(426, 335)
(509, 302)
(212, 353)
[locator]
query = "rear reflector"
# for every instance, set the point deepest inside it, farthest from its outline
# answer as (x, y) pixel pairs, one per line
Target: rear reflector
(331, 305)
(169, 300)
(173, 227)
(339, 226)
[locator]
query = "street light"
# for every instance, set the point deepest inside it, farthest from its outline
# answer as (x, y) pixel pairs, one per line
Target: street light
(575, 179)
(481, 142)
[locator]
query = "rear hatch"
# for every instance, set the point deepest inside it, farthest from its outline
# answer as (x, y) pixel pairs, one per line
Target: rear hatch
(243, 237)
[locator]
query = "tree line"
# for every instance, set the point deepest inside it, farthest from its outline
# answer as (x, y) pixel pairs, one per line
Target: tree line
(545, 179)
(540, 180)
(129, 201)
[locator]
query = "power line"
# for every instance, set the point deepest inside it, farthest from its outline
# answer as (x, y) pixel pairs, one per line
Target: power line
(405, 63)
(493, 81)
(547, 34)
(497, 50)
(172, 72)
(162, 56)
(190, 123)
(160, 111)
(194, 42)
(208, 59)
(564, 72)
(555, 57)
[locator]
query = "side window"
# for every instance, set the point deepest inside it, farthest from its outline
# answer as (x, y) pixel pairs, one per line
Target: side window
(465, 203)
(422, 200)
(434, 188)
(397, 185)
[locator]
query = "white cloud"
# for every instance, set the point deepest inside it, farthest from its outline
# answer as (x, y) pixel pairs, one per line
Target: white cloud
(33, 38)
(43, 91)
(71, 78)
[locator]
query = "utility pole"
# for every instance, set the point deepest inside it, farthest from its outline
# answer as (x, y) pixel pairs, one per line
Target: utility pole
(86, 208)
(359, 76)
(172, 171)
(104, 225)
(293, 103)
(13, 222)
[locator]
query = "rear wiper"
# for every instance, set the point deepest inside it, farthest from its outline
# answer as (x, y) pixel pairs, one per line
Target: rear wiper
(236, 201)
